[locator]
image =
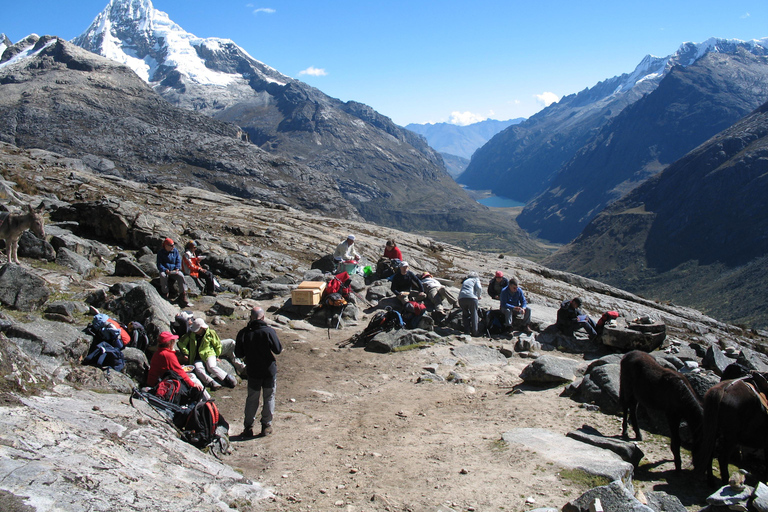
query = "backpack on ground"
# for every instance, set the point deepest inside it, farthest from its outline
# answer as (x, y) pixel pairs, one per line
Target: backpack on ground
(383, 320)
(105, 355)
(386, 267)
(494, 321)
(340, 283)
(335, 300)
(204, 424)
(175, 390)
(104, 329)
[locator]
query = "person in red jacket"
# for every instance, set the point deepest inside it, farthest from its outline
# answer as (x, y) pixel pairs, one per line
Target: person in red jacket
(392, 252)
(165, 359)
(190, 265)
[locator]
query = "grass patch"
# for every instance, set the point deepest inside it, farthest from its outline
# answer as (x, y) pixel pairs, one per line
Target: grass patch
(499, 445)
(412, 346)
(583, 479)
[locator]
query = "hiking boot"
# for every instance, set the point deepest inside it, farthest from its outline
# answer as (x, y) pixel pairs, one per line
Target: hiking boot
(265, 430)
(247, 433)
(215, 386)
(527, 329)
(230, 381)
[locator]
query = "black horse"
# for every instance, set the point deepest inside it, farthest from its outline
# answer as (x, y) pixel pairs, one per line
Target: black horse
(644, 381)
(734, 414)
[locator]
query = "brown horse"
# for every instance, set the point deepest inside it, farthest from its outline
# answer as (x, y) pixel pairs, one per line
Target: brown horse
(12, 225)
(733, 415)
(644, 381)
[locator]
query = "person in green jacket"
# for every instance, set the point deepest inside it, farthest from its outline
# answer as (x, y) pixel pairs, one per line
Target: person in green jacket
(201, 346)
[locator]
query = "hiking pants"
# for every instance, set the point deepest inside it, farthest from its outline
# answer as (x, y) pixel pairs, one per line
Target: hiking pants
(177, 278)
(436, 295)
(213, 371)
(255, 388)
(469, 315)
(512, 318)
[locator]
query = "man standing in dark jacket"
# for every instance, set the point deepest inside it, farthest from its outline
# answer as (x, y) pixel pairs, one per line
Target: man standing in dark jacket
(257, 343)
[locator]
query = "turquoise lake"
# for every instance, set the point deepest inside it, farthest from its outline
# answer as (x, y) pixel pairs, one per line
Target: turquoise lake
(500, 202)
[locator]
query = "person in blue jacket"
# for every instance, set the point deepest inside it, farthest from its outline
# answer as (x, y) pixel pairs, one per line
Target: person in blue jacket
(169, 266)
(515, 307)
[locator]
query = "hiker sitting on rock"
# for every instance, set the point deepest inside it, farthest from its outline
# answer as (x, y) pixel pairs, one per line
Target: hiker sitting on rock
(165, 360)
(392, 252)
(515, 307)
(190, 264)
(436, 291)
(570, 319)
(169, 266)
(498, 283)
(182, 323)
(346, 251)
(406, 286)
(412, 313)
(202, 346)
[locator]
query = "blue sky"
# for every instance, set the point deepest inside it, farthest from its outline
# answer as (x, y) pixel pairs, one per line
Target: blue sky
(426, 61)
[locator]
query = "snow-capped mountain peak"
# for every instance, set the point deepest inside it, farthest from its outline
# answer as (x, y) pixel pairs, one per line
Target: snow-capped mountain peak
(145, 39)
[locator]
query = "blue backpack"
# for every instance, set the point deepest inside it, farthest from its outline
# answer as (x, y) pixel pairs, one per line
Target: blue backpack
(104, 331)
(105, 356)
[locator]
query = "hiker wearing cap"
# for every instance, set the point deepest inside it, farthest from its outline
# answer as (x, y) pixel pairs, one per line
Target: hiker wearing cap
(346, 251)
(164, 360)
(169, 266)
(190, 265)
(515, 307)
(498, 283)
(436, 291)
(406, 286)
(202, 346)
(469, 297)
(182, 323)
(258, 343)
(392, 251)
(570, 319)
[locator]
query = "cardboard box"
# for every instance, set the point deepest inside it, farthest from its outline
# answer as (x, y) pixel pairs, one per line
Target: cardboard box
(308, 293)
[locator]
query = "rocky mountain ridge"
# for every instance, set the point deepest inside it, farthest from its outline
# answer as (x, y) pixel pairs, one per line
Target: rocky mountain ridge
(522, 161)
(388, 174)
(695, 232)
(691, 104)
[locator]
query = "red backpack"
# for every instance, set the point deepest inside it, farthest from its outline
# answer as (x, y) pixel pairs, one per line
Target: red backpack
(339, 284)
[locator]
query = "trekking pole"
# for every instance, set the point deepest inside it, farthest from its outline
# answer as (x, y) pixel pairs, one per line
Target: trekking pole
(338, 323)
(362, 299)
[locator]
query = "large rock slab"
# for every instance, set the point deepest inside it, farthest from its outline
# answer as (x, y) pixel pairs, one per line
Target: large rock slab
(634, 336)
(21, 289)
(572, 454)
(551, 370)
(476, 355)
(119, 451)
(614, 496)
(388, 341)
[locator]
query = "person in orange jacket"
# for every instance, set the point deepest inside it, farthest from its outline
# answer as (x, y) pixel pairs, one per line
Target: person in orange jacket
(190, 265)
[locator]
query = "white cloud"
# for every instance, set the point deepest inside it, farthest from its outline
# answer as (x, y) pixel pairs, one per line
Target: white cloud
(746, 15)
(313, 71)
(265, 10)
(465, 118)
(547, 98)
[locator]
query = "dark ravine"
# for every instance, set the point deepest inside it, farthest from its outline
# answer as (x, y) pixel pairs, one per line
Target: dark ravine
(695, 233)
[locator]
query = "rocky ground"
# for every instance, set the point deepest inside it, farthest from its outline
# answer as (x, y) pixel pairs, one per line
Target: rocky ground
(414, 430)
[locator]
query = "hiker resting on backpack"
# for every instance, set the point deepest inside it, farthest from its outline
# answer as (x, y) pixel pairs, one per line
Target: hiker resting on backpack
(498, 283)
(570, 319)
(202, 346)
(346, 251)
(436, 291)
(413, 312)
(169, 266)
(190, 265)
(515, 307)
(258, 343)
(164, 360)
(406, 286)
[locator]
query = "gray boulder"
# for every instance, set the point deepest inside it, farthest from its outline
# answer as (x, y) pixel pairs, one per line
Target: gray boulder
(660, 501)
(144, 304)
(551, 370)
(388, 341)
(614, 496)
(32, 247)
(21, 289)
(94, 251)
(70, 259)
(358, 283)
(376, 293)
(628, 451)
(715, 360)
(600, 386)
(752, 360)
(626, 339)
(222, 307)
(136, 364)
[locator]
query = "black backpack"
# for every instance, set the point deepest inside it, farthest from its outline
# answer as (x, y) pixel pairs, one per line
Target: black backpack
(139, 338)
(204, 424)
(175, 390)
(383, 320)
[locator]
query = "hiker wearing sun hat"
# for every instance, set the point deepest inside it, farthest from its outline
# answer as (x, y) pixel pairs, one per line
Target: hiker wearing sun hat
(164, 360)
(202, 346)
(498, 283)
(346, 250)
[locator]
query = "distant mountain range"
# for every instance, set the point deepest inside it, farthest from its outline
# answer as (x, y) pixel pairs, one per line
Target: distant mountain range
(457, 143)
(389, 174)
(577, 155)
(696, 233)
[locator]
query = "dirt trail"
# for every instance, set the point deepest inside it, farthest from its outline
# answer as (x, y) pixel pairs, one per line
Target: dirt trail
(353, 430)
